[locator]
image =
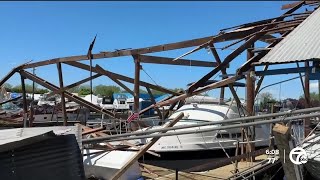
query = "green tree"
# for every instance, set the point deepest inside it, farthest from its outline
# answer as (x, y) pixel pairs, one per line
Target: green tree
(84, 90)
(104, 90)
(266, 98)
(29, 89)
(74, 89)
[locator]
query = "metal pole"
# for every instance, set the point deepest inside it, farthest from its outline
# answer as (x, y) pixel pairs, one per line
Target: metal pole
(63, 103)
(136, 84)
(134, 135)
(33, 85)
(25, 106)
(227, 121)
(307, 121)
(250, 102)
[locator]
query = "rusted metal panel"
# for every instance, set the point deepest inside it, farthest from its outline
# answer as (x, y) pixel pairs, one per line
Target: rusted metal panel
(300, 45)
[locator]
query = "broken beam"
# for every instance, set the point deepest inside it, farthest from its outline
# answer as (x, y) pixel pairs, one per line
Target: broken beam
(144, 149)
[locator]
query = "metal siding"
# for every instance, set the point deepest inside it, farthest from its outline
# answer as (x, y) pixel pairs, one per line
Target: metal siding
(301, 44)
(55, 158)
(17, 137)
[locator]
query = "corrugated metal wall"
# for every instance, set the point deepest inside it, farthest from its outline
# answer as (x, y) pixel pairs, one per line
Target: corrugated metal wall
(56, 158)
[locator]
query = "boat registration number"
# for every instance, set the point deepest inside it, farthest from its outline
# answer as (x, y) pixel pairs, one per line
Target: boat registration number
(170, 147)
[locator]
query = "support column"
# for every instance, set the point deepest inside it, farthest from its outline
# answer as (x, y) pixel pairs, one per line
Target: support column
(222, 90)
(136, 83)
(24, 98)
(63, 103)
(250, 101)
(307, 121)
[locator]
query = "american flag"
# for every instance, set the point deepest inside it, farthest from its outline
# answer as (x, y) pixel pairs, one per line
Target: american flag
(133, 117)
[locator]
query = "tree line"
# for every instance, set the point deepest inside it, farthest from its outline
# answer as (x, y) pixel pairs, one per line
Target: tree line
(266, 99)
(82, 90)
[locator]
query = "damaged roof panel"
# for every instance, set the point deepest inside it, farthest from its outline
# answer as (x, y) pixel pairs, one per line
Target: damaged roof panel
(300, 45)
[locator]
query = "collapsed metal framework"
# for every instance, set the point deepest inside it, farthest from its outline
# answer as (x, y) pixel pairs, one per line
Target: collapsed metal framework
(270, 31)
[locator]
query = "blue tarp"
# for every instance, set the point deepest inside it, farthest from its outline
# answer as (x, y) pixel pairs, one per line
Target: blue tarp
(161, 97)
(14, 95)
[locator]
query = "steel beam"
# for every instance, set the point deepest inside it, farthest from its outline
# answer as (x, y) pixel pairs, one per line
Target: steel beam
(260, 81)
(66, 88)
(63, 103)
(70, 96)
(24, 98)
(8, 76)
(154, 102)
(152, 49)
(102, 71)
(181, 62)
(137, 68)
(224, 72)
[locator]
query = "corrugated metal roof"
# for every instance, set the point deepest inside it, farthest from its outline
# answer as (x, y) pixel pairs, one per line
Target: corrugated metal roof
(300, 45)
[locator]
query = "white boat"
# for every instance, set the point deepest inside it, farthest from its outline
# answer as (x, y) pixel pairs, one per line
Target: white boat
(198, 146)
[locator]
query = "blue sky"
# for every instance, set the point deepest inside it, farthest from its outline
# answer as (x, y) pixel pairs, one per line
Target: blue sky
(44, 30)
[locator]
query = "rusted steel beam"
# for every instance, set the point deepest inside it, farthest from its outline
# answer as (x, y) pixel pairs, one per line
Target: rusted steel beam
(218, 84)
(144, 149)
(258, 56)
(70, 96)
(63, 103)
(229, 58)
(224, 72)
(281, 26)
(154, 102)
(122, 85)
(273, 30)
(66, 88)
(136, 93)
(24, 98)
(260, 81)
(102, 71)
(86, 132)
(250, 82)
(250, 86)
(152, 49)
(154, 105)
(239, 50)
(8, 76)
(181, 62)
(307, 84)
(265, 21)
(166, 115)
(271, 40)
(291, 5)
